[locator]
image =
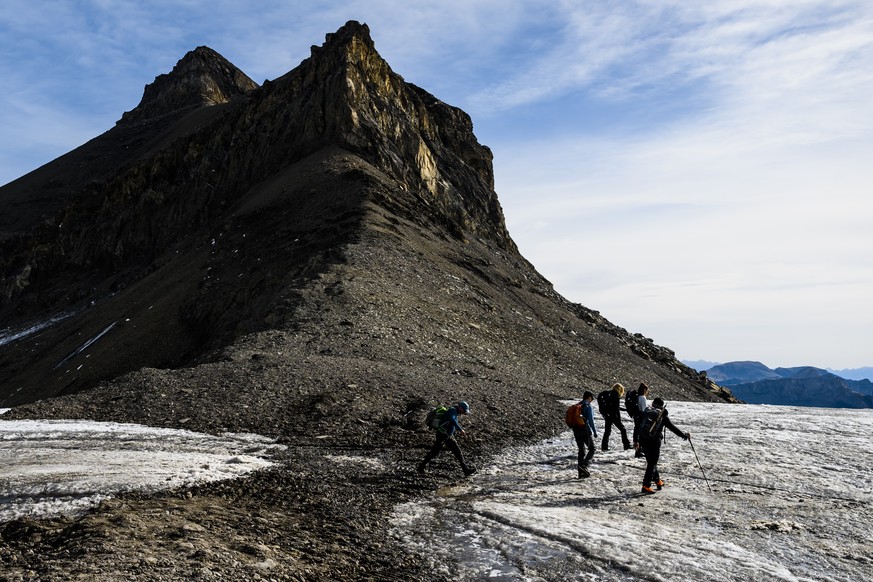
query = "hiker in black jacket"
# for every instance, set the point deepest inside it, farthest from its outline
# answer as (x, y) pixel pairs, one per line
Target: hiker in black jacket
(649, 433)
(609, 402)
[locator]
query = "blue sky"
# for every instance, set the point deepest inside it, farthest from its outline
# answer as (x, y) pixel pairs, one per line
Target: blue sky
(698, 172)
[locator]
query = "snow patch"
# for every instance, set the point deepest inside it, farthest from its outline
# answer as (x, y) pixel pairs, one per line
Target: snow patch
(370, 462)
(51, 467)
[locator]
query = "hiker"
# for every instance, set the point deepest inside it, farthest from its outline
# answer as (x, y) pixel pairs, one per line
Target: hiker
(651, 428)
(584, 433)
(445, 437)
(609, 402)
(641, 404)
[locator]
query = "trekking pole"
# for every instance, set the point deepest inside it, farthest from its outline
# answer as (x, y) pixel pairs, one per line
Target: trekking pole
(699, 465)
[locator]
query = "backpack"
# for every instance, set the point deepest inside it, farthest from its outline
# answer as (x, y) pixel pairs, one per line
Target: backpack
(574, 418)
(602, 405)
(631, 403)
(650, 422)
(434, 418)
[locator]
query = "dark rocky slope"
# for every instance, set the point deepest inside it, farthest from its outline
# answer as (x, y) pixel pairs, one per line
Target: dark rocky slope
(319, 259)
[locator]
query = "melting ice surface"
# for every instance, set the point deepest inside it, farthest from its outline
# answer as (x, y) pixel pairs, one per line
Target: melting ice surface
(50, 467)
(791, 500)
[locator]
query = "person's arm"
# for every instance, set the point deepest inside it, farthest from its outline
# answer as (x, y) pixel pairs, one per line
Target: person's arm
(589, 419)
(673, 428)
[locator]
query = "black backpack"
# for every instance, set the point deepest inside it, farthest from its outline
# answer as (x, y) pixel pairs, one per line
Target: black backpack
(602, 405)
(650, 423)
(631, 404)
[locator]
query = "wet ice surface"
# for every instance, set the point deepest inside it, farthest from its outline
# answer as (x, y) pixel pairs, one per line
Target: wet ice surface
(63, 467)
(791, 500)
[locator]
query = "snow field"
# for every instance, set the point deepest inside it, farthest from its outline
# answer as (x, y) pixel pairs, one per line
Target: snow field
(57, 467)
(790, 501)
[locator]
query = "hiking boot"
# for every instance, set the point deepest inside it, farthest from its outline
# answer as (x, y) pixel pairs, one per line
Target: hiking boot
(583, 473)
(659, 484)
(468, 471)
(420, 468)
(639, 454)
(647, 490)
(604, 448)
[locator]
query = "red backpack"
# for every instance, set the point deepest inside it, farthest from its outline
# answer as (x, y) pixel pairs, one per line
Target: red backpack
(574, 418)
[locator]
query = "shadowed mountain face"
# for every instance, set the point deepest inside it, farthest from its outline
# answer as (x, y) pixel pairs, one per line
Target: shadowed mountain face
(336, 216)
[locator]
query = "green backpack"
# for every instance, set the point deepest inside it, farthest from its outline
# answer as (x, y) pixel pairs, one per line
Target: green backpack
(435, 417)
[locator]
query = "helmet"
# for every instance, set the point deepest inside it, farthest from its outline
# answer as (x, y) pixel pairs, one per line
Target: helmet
(462, 405)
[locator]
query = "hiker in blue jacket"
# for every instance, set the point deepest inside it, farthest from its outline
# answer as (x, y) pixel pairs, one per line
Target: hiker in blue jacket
(584, 436)
(445, 437)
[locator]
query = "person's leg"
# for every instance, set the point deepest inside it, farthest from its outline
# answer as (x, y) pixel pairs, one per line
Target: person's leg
(652, 450)
(579, 435)
(452, 445)
(589, 442)
(434, 451)
(607, 430)
(624, 440)
(641, 452)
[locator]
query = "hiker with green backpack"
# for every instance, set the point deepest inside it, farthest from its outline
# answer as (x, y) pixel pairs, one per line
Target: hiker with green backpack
(649, 433)
(444, 420)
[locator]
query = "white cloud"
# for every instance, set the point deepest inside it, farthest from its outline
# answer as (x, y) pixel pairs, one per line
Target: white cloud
(747, 207)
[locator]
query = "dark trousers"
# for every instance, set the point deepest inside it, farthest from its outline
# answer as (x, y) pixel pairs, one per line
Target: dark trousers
(444, 440)
(610, 420)
(637, 438)
(652, 450)
(584, 441)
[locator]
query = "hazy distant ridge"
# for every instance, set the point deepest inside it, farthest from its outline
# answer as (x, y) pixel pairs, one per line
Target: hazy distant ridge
(755, 383)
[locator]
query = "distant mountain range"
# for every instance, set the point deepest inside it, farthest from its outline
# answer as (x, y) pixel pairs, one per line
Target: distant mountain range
(755, 383)
(854, 373)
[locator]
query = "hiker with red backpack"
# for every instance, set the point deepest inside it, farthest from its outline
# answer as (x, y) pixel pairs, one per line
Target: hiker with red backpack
(446, 423)
(609, 404)
(650, 431)
(580, 418)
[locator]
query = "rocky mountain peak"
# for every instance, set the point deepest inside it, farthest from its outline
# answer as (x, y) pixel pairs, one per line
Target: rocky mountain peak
(427, 145)
(338, 207)
(201, 77)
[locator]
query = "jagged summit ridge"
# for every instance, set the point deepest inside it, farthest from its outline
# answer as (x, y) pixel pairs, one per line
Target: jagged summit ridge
(201, 77)
(427, 145)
